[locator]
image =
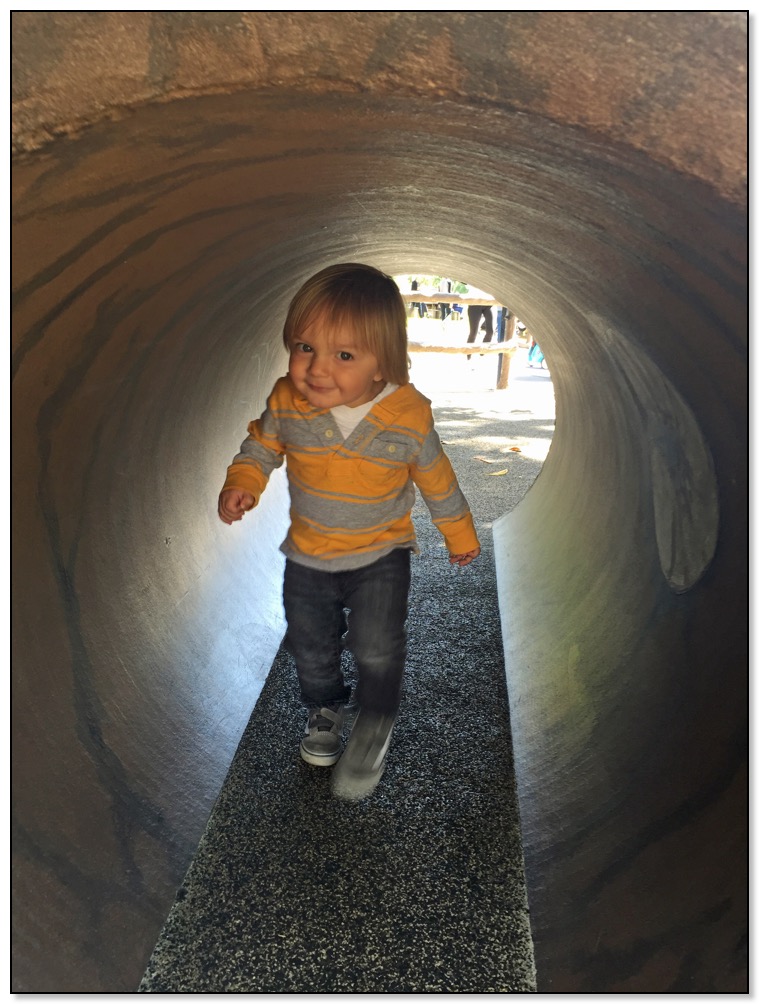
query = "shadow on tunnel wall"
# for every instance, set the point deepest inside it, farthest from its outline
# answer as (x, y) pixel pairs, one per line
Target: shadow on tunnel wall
(176, 176)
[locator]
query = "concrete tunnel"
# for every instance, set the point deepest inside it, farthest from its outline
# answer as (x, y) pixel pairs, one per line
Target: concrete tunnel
(175, 177)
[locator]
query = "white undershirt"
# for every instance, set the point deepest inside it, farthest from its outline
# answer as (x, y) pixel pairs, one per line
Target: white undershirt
(347, 418)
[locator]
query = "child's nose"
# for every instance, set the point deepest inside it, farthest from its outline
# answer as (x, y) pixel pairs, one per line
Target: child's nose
(319, 363)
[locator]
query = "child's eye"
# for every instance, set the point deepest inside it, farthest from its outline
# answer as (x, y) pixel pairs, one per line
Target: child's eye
(302, 347)
(345, 356)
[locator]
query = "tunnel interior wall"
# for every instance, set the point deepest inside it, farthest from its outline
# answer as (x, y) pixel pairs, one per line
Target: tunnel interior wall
(631, 755)
(158, 234)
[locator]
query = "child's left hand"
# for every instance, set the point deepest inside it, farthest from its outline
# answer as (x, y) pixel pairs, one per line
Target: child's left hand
(464, 559)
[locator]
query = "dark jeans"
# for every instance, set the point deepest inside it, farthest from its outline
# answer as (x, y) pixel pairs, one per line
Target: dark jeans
(474, 314)
(376, 597)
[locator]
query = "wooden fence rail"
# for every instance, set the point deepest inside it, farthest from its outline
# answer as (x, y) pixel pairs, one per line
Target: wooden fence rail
(504, 349)
(471, 348)
(467, 301)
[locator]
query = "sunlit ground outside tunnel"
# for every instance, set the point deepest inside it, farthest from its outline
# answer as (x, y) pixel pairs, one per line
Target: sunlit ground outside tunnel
(472, 387)
(451, 380)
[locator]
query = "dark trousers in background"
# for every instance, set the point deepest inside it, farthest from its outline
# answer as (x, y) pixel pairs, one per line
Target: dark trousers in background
(475, 314)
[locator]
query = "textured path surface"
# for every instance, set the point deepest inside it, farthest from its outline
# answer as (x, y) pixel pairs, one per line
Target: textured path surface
(419, 889)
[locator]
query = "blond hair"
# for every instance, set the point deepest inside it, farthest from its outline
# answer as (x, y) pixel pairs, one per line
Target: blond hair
(365, 300)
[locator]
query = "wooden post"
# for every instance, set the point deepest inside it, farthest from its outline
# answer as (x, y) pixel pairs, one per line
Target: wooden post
(505, 359)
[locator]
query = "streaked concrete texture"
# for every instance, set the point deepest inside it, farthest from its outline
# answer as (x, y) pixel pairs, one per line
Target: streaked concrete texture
(176, 177)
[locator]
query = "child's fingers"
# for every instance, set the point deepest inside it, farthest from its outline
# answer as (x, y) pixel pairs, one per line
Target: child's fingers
(227, 515)
(464, 559)
(233, 505)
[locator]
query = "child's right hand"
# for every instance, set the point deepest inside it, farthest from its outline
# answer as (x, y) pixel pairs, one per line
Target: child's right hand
(233, 504)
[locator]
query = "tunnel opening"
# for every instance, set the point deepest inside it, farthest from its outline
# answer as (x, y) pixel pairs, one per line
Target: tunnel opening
(161, 217)
(456, 360)
(448, 327)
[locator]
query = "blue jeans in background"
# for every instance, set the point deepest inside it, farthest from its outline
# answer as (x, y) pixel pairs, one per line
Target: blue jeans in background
(376, 597)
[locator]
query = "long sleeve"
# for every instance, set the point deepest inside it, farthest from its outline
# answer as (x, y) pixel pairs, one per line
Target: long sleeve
(260, 453)
(434, 476)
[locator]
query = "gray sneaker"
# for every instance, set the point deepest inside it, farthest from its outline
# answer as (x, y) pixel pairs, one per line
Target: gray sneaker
(322, 743)
(363, 762)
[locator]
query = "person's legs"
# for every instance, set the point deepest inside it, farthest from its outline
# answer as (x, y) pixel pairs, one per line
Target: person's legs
(474, 314)
(488, 318)
(315, 619)
(378, 600)
(315, 624)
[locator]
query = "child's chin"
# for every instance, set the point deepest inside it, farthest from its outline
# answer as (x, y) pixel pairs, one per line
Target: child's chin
(319, 399)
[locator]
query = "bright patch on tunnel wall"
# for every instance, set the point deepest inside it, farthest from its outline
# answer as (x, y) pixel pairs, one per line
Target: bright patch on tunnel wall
(683, 482)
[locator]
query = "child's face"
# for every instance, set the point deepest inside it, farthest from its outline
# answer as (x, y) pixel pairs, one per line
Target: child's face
(329, 369)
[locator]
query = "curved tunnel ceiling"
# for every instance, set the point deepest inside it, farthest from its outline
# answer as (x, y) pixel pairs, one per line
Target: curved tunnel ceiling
(177, 177)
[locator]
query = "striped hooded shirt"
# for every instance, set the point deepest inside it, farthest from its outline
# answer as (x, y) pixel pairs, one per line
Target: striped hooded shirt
(351, 500)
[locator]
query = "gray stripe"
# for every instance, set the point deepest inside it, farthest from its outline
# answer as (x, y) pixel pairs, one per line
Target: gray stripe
(352, 515)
